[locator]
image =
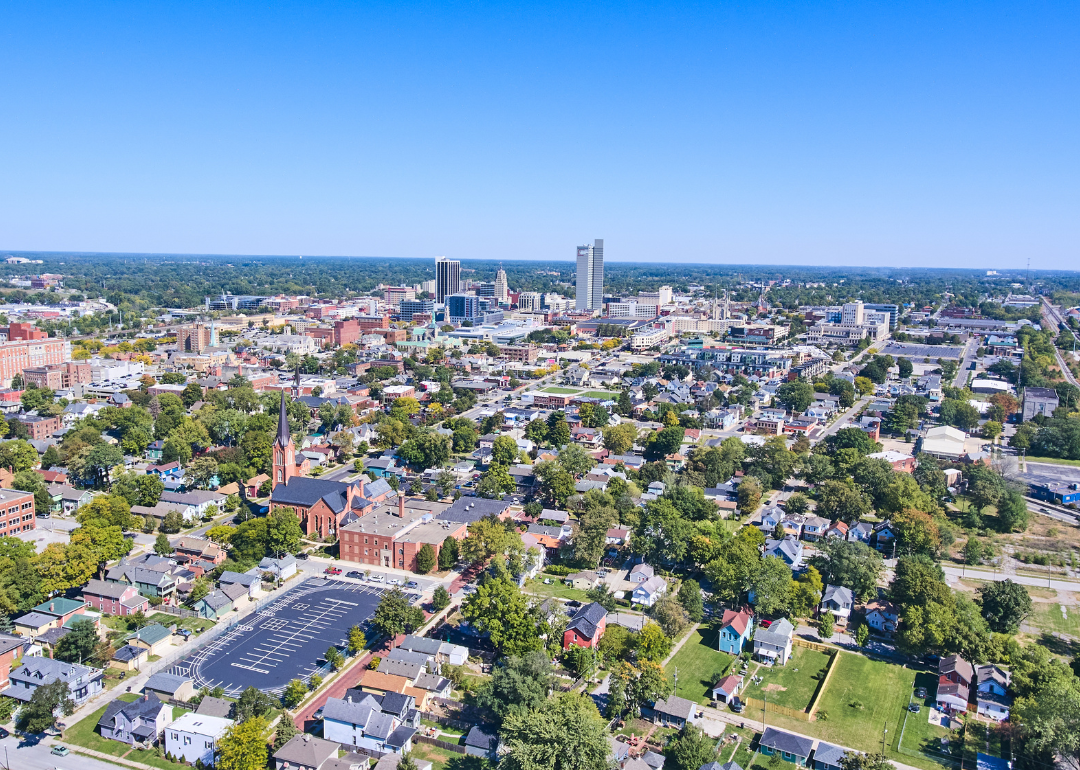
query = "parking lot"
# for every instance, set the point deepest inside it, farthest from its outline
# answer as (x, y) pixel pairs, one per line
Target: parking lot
(913, 350)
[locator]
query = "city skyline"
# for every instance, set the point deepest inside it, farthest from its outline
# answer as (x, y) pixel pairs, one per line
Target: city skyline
(841, 134)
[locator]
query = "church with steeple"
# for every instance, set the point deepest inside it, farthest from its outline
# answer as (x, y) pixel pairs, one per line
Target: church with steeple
(323, 506)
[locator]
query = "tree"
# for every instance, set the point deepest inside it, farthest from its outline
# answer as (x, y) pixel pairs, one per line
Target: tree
(39, 713)
(851, 438)
(796, 396)
(504, 451)
(295, 692)
(973, 551)
(664, 442)
(850, 564)
(670, 615)
(797, 504)
(991, 429)
(395, 615)
(771, 586)
(357, 641)
(1012, 512)
(556, 485)
(440, 600)
(690, 599)
(425, 559)
(841, 500)
(495, 482)
(172, 523)
(78, 646)
(826, 625)
(905, 367)
(602, 595)
(501, 610)
(286, 729)
(566, 733)
(253, 703)
(427, 450)
(690, 750)
(448, 554)
(576, 460)
(334, 658)
(518, 684)
(1005, 605)
(749, 495)
(283, 532)
(244, 746)
(162, 547)
(18, 455)
(917, 532)
(853, 760)
(619, 439)
(652, 643)
(862, 634)
(864, 385)
(488, 537)
(406, 762)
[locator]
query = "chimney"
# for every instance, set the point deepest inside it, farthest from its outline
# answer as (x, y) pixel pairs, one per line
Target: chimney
(360, 485)
(401, 505)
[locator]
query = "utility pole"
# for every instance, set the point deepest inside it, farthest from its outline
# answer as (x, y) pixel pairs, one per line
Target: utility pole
(884, 730)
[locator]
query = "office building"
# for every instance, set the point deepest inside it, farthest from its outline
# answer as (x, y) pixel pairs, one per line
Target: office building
(411, 307)
(590, 277)
(502, 292)
(396, 294)
(15, 357)
(196, 338)
(447, 278)
(893, 311)
(529, 300)
(462, 307)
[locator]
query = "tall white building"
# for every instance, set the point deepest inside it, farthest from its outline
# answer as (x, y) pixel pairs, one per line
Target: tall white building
(447, 278)
(529, 300)
(501, 290)
(590, 277)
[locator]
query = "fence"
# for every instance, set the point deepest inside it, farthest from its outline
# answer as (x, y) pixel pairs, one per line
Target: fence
(457, 724)
(812, 645)
(180, 612)
(814, 701)
(440, 744)
(776, 708)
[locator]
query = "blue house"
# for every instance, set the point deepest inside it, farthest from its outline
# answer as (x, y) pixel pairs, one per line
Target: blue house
(735, 629)
(167, 472)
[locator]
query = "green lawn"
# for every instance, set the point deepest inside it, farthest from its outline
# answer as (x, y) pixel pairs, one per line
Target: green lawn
(1047, 616)
(84, 733)
(791, 685)
(558, 588)
(700, 665)
(444, 729)
(1053, 460)
(441, 759)
(603, 395)
(561, 391)
(918, 734)
(192, 624)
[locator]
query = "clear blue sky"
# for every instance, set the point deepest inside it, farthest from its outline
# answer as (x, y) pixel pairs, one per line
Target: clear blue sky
(870, 133)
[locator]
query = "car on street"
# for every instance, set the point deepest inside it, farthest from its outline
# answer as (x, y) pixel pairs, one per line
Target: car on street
(377, 578)
(332, 571)
(60, 751)
(468, 590)
(355, 574)
(395, 581)
(573, 603)
(412, 584)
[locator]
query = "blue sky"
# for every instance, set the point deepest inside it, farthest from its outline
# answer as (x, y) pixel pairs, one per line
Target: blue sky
(866, 133)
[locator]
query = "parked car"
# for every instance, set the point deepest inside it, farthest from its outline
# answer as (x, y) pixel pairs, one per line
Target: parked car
(468, 590)
(332, 571)
(920, 692)
(377, 578)
(355, 574)
(60, 751)
(412, 584)
(395, 581)
(736, 705)
(573, 603)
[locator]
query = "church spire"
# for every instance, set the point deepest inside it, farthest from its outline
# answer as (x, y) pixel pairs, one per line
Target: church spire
(283, 436)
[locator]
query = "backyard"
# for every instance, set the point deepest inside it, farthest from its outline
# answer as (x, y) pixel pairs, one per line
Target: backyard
(700, 665)
(557, 588)
(791, 685)
(442, 759)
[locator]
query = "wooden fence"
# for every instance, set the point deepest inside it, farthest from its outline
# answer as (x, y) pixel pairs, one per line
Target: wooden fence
(815, 701)
(457, 724)
(440, 744)
(812, 645)
(775, 708)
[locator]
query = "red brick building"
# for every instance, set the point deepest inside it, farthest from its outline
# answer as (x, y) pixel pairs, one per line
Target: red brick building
(346, 332)
(586, 627)
(58, 376)
(16, 512)
(372, 322)
(19, 355)
(39, 427)
(392, 535)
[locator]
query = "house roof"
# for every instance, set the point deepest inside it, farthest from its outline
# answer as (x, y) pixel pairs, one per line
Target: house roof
(778, 634)
(466, 510)
(129, 652)
(35, 620)
(676, 707)
(829, 754)
(991, 673)
(587, 620)
(228, 576)
(162, 682)
(789, 743)
(642, 569)
(144, 708)
(480, 738)
(105, 589)
(838, 594)
(216, 600)
(201, 724)
(306, 492)
(306, 750)
(739, 621)
(729, 683)
(718, 766)
(651, 586)
(152, 634)
(952, 663)
(214, 707)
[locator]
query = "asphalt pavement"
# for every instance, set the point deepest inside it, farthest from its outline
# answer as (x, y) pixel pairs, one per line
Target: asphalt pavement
(34, 753)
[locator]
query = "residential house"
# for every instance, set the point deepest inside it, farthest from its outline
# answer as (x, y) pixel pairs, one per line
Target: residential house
(282, 569)
(770, 517)
(727, 689)
(482, 742)
(648, 593)
(138, 722)
(639, 573)
(214, 605)
(773, 644)
(170, 686)
(442, 652)
(735, 630)
(828, 757)
(11, 649)
(194, 737)
(837, 529)
(839, 600)
(955, 676)
(83, 682)
(215, 707)
(789, 550)
(881, 616)
(114, 598)
(129, 658)
(70, 499)
(814, 528)
(790, 747)
(304, 752)
(252, 583)
(675, 712)
(884, 536)
(583, 581)
(586, 627)
(992, 697)
(155, 637)
(188, 549)
(861, 532)
(380, 723)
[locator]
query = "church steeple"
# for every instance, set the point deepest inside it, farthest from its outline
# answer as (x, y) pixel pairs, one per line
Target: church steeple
(284, 449)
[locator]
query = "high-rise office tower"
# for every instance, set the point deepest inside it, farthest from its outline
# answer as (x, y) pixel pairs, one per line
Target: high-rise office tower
(590, 276)
(447, 278)
(501, 291)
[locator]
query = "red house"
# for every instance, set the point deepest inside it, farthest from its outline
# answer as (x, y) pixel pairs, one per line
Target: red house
(114, 598)
(586, 627)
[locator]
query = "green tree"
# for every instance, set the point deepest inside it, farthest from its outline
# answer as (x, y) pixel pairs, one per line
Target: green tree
(283, 532)
(1012, 512)
(448, 554)
(576, 460)
(286, 729)
(440, 600)
(504, 451)
(244, 746)
(566, 733)
(619, 439)
(518, 684)
(670, 615)
(495, 482)
(334, 658)
(79, 645)
(749, 495)
(425, 559)
(395, 615)
(855, 761)
(826, 625)
(253, 703)
(796, 396)
(295, 692)
(172, 523)
(501, 610)
(602, 595)
(556, 484)
(1005, 605)
(771, 586)
(841, 500)
(850, 564)
(652, 643)
(690, 750)
(162, 547)
(357, 640)
(862, 635)
(40, 712)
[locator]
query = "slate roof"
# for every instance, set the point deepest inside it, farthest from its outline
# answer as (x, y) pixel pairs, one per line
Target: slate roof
(306, 492)
(421, 644)
(829, 754)
(228, 576)
(408, 669)
(587, 619)
(35, 619)
(217, 600)
(162, 682)
(466, 510)
(778, 740)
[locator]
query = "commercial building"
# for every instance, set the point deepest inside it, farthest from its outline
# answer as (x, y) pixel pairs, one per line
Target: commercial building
(630, 308)
(529, 300)
(19, 355)
(525, 354)
(590, 277)
(397, 294)
(39, 427)
(196, 338)
(58, 376)
(1039, 401)
(502, 292)
(411, 307)
(16, 512)
(648, 338)
(462, 307)
(447, 278)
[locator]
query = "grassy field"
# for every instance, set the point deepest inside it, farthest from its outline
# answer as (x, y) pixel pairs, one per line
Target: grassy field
(699, 664)
(192, 624)
(444, 729)
(918, 734)
(1047, 616)
(1053, 461)
(557, 589)
(561, 391)
(792, 685)
(441, 759)
(604, 395)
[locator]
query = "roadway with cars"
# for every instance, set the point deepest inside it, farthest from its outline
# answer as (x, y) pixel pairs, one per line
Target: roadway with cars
(1054, 316)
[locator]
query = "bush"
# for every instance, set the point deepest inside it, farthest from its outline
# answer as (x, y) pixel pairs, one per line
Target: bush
(560, 570)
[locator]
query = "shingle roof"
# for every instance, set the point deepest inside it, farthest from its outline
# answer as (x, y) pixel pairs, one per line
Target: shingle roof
(97, 587)
(829, 754)
(481, 739)
(466, 510)
(676, 706)
(306, 750)
(788, 743)
(587, 619)
(162, 682)
(305, 492)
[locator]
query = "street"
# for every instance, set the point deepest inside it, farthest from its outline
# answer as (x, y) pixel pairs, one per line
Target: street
(965, 362)
(30, 754)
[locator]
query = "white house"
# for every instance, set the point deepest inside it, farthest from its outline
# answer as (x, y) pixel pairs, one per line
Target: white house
(282, 569)
(649, 592)
(992, 697)
(194, 737)
(639, 573)
(881, 616)
(839, 600)
(773, 644)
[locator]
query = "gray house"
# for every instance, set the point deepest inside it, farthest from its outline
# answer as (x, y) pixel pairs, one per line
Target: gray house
(827, 756)
(675, 711)
(139, 722)
(791, 748)
(84, 682)
(773, 644)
